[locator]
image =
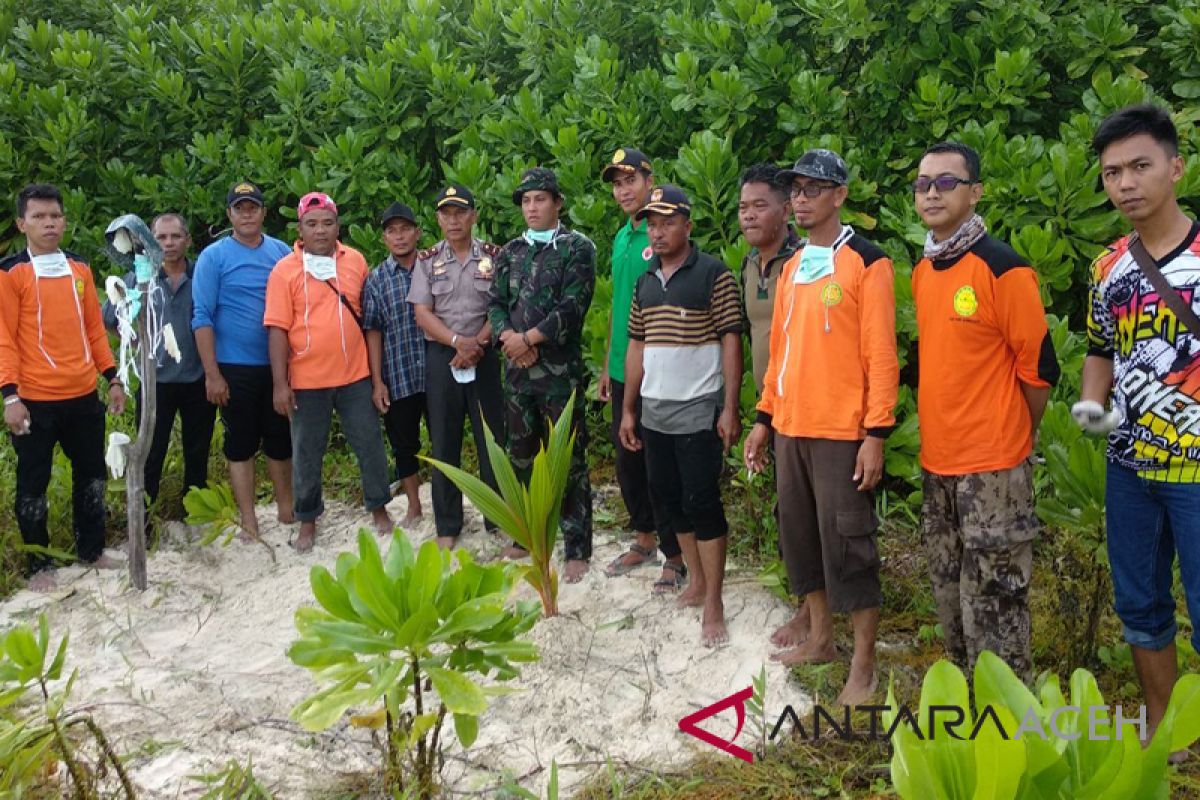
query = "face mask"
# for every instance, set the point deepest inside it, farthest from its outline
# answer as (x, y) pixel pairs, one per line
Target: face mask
(51, 265)
(322, 268)
(540, 237)
(815, 263)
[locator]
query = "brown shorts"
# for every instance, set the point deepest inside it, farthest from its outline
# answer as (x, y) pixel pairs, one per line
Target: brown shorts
(826, 526)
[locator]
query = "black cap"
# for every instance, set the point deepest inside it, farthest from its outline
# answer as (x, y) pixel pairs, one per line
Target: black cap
(456, 195)
(626, 160)
(243, 190)
(667, 200)
(397, 211)
(820, 165)
(536, 179)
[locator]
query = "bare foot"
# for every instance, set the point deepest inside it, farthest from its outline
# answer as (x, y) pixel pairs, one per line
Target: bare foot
(514, 553)
(43, 581)
(574, 570)
(287, 517)
(859, 688)
(304, 541)
(382, 520)
(447, 542)
(794, 631)
(412, 518)
(692, 596)
(808, 653)
(248, 528)
(106, 562)
(712, 626)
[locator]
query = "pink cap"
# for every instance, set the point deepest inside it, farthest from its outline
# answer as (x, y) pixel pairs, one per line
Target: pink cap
(314, 201)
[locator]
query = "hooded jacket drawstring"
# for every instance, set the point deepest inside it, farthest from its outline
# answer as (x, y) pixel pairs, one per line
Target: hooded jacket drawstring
(87, 348)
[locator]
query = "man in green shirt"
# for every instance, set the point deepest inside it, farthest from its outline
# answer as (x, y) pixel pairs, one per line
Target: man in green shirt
(632, 178)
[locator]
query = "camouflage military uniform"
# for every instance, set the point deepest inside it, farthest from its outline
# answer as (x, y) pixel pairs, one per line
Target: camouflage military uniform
(548, 287)
(979, 531)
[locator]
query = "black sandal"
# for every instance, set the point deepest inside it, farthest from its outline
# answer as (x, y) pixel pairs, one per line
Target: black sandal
(665, 586)
(618, 567)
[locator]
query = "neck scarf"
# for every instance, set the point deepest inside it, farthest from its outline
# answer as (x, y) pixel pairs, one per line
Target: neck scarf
(958, 242)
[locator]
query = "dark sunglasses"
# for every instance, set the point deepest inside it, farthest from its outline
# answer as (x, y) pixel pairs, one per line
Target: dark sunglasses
(944, 183)
(811, 190)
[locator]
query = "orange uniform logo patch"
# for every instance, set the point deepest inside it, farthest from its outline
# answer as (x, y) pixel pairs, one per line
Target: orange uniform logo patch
(965, 302)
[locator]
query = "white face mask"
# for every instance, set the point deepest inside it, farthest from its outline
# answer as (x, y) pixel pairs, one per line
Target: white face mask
(323, 268)
(51, 265)
(815, 263)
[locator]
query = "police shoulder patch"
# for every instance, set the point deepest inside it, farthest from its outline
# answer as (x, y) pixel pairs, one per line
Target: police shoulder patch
(425, 254)
(489, 248)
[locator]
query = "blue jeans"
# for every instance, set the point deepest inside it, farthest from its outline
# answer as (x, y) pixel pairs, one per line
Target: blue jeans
(1149, 522)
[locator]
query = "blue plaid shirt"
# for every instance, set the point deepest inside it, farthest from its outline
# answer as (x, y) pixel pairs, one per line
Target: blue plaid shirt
(386, 309)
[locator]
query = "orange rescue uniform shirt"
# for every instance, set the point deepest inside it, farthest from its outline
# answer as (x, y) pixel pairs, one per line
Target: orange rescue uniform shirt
(56, 356)
(317, 322)
(982, 333)
(839, 383)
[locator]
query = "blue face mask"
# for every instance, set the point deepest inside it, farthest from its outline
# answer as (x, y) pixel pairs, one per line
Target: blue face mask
(540, 237)
(815, 263)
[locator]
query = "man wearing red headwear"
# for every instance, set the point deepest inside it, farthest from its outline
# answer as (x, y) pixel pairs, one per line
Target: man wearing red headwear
(319, 363)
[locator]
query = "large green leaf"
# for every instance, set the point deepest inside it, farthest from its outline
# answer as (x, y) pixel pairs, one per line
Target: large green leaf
(460, 694)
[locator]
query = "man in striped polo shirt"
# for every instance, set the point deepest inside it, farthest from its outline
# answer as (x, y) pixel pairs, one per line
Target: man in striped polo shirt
(685, 363)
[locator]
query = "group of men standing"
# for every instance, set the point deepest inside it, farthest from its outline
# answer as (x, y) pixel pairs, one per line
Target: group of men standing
(282, 338)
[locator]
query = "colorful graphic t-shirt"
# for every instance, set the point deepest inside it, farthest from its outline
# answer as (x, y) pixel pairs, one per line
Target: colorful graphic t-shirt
(1156, 361)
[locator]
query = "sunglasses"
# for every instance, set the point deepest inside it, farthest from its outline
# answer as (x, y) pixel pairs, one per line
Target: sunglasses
(944, 183)
(811, 190)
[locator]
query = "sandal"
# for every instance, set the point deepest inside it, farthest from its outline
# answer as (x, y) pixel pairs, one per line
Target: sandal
(664, 586)
(619, 567)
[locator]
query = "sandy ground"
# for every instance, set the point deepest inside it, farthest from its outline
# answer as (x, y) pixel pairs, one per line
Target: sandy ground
(192, 673)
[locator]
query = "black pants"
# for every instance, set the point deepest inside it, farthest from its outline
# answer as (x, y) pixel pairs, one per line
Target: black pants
(685, 486)
(403, 425)
(449, 405)
(631, 468)
(76, 425)
(197, 417)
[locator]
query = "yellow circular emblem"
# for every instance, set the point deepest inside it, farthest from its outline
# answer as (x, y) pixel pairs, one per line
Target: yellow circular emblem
(656, 195)
(831, 295)
(485, 266)
(965, 303)
(79, 287)
(618, 156)
(451, 192)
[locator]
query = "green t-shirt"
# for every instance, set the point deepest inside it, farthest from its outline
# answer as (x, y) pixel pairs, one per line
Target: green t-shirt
(630, 256)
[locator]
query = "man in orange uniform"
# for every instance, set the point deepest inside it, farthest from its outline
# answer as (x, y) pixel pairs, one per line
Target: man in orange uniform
(828, 395)
(986, 368)
(319, 363)
(52, 346)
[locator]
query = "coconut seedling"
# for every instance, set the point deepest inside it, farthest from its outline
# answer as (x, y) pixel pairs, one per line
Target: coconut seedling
(527, 513)
(401, 638)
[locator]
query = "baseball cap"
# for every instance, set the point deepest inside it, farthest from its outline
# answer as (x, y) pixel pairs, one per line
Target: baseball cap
(667, 200)
(819, 164)
(536, 179)
(456, 195)
(243, 190)
(397, 211)
(314, 201)
(626, 160)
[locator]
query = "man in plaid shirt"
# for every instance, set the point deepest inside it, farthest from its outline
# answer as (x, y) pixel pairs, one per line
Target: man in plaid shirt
(396, 349)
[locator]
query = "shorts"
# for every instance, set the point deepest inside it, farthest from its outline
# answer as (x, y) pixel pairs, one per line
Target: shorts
(249, 418)
(685, 483)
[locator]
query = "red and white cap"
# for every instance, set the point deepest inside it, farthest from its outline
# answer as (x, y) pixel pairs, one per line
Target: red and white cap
(314, 201)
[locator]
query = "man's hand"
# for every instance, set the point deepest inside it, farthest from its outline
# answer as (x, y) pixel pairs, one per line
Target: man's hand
(868, 467)
(514, 346)
(116, 399)
(1092, 417)
(16, 417)
(528, 359)
(284, 400)
(467, 349)
(729, 426)
(604, 388)
(380, 397)
(628, 431)
(754, 451)
(216, 389)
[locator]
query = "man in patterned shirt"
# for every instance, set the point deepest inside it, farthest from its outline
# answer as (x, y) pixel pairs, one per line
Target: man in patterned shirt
(396, 351)
(1148, 358)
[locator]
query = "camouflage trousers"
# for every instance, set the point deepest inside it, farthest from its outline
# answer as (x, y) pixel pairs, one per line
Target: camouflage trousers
(979, 531)
(527, 417)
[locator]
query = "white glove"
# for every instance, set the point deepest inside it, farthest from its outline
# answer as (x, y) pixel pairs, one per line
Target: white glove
(170, 344)
(1092, 417)
(115, 457)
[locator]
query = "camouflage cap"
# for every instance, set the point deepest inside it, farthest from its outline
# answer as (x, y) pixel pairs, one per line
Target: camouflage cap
(820, 165)
(536, 179)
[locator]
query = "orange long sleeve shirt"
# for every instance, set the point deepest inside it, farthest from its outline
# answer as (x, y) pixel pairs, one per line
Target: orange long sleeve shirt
(52, 337)
(833, 371)
(981, 334)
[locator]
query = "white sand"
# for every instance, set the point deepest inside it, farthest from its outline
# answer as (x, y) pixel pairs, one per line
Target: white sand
(192, 672)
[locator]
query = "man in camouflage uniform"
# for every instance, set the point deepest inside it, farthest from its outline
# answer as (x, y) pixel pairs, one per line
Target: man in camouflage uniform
(540, 296)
